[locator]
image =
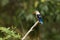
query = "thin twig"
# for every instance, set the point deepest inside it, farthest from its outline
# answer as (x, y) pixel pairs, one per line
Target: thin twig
(30, 30)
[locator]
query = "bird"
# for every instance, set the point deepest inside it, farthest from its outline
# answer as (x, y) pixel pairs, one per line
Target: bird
(39, 17)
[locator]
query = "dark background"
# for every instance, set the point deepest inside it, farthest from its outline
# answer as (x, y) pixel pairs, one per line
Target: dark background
(17, 15)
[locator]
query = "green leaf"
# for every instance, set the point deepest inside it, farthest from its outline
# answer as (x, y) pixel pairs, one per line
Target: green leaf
(4, 2)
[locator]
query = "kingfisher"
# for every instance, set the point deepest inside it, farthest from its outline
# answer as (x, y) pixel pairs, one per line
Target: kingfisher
(39, 17)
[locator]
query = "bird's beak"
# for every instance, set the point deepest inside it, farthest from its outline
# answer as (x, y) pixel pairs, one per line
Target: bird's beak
(34, 12)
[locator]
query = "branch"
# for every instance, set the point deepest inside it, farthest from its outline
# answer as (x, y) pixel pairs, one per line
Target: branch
(30, 30)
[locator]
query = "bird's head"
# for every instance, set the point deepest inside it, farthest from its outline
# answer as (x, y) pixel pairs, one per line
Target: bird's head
(36, 12)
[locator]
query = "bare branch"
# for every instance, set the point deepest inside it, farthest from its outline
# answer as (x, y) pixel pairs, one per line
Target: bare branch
(30, 30)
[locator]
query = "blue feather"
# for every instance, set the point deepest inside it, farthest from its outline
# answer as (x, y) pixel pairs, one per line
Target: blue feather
(40, 19)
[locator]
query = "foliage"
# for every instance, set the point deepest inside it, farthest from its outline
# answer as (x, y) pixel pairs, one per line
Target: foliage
(8, 34)
(19, 13)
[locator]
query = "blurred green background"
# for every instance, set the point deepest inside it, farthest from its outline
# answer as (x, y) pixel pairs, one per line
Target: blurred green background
(16, 19)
